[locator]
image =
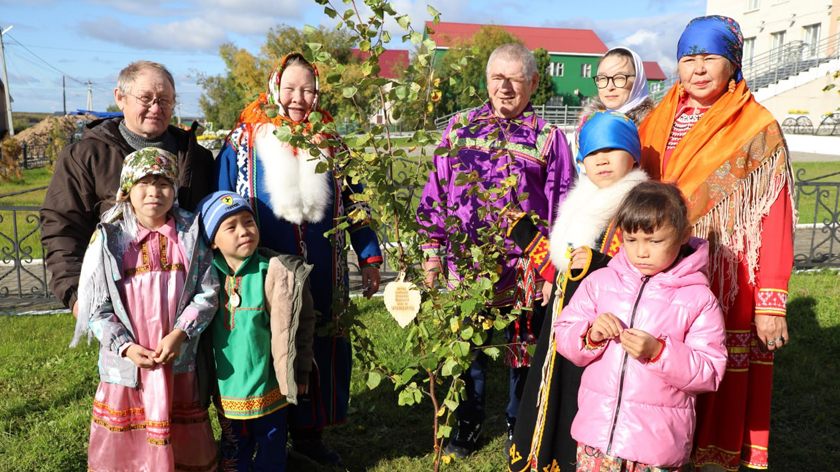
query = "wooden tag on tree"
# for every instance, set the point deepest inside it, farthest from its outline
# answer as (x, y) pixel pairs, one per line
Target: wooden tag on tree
(402, 300)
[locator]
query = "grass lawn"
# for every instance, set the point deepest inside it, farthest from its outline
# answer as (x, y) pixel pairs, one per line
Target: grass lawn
(48, 388)
(809, 211)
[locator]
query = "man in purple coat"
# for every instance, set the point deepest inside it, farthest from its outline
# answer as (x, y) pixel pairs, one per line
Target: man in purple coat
(537, 154)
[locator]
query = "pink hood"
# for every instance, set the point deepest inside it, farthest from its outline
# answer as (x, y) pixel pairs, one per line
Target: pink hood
(636, 409)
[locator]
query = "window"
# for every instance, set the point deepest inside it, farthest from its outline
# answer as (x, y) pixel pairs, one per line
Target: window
(654, 87)
(555, 69)
(586, 70)
(749, 51)
(811, 39)
(778, 48)
(752, 5)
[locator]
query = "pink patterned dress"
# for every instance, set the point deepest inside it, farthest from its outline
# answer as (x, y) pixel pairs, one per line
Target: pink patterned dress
(158, 427)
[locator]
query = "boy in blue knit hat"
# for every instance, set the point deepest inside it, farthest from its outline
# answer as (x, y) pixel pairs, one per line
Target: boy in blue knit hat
(261, 336)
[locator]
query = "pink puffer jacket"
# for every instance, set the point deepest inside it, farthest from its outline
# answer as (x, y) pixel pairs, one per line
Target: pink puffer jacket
(636, 409)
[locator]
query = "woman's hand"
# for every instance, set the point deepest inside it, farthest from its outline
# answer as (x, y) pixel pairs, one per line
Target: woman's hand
(640, 344)
(370, 280)
(546, 292)
(772, 332)
(606, 326)
(169, 348)
(140, 356)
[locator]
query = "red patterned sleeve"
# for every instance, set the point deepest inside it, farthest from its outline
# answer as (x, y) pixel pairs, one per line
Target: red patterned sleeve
(775, 258)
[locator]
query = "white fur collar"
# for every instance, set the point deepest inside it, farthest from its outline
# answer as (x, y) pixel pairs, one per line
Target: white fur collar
(296, 192)
(585, 214)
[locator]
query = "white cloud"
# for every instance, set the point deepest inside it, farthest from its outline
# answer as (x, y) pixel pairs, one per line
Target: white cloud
(196, 26)
(191, 35)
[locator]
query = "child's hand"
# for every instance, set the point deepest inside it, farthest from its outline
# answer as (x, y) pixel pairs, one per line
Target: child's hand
(169, 348)
(606, 326)
(579, 258)
(142, 357)
(639, 344)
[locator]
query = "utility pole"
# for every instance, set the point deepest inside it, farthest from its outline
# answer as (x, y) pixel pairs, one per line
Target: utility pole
(64, 93)
(6, 83)
(90, 96)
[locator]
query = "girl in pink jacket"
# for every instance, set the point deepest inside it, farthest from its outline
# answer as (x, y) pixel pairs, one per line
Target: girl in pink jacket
(651, 335)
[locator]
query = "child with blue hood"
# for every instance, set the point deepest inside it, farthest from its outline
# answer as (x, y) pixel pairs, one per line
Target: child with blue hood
(583, 238)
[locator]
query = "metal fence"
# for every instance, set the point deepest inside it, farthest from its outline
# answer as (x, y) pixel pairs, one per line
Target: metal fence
(559, 115)
(23, 273)
(32, 156)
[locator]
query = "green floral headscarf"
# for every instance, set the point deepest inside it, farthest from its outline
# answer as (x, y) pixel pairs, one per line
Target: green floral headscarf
(147, 161)
(138, 164)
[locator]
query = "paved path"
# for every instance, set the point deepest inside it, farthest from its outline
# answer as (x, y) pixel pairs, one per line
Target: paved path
(812, 157)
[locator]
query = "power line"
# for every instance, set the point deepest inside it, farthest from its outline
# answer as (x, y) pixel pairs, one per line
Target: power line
(167, 53)
(44, 61)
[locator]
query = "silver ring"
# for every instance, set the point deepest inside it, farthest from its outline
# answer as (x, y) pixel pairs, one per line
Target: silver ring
(771, 343)
(782, 339)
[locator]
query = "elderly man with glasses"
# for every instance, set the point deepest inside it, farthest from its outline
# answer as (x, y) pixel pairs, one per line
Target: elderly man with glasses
(502, 139)
(87, 173)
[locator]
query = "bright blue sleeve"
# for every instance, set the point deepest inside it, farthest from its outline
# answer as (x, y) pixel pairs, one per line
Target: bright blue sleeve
(226, 170)
(362, 237)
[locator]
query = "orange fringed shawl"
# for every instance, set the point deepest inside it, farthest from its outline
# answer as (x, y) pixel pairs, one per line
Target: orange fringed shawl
(731, 167)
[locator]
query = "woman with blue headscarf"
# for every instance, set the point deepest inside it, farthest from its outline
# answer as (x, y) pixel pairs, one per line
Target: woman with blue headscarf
(728, 156)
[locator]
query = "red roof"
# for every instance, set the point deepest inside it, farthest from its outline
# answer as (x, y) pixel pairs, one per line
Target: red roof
(653, 71)
(390, 62)
(556, 40)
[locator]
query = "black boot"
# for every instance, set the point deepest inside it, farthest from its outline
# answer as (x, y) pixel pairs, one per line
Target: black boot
(464, 442)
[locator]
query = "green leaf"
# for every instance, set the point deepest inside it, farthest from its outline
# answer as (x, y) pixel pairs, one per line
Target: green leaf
(408, 374)
(386, 37)
(467, 306)
(283, 133)
(404, 21)
(432, 10)
(461, 349)
(467, 333)
(492, 352)
(330, 12)
(531, 349)
(364, 46)
(448, 368)
(333, 78)
(348, 91)
(415, 37)
(444, 431)
(321, 167)
(373, 380)
(315, 46)
(308, 29)
(315, 117)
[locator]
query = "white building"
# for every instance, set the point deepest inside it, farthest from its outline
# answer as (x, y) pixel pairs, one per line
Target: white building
(789, 47)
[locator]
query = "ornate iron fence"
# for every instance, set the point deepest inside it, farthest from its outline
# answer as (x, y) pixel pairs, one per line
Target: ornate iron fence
(23, 273)
(817, 240)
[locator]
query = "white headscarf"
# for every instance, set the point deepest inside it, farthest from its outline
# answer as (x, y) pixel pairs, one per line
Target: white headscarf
(640, 86)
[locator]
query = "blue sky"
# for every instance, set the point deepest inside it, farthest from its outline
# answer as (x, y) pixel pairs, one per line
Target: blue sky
(91, 40)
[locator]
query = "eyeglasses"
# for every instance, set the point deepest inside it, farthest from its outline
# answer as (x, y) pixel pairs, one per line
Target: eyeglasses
(148, 102)
(620, 80)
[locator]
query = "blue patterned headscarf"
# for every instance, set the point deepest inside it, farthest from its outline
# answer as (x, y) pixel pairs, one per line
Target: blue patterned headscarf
(714, 34)
(608, 130)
